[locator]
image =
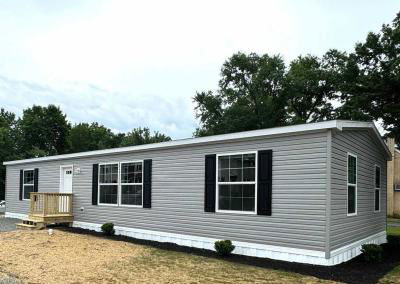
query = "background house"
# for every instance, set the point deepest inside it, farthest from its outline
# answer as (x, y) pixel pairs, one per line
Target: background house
(393, 182)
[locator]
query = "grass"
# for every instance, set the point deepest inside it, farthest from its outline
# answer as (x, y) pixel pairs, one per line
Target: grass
(394, 275)
(393, 220)
(65, 257)
(394, 231)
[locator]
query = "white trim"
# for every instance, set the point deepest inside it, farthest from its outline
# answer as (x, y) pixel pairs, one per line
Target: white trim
(62, 167)
(377, 188)
(243, 182)
(333, 124)
(351, 184)
(121, 184)
(98, 184)
(15, 215)
(339, 255)
(28, 184)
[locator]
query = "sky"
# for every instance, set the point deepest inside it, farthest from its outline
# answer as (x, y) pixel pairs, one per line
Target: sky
(127, 64)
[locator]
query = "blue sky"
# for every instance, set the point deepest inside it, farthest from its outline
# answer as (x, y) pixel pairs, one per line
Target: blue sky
(127, 64)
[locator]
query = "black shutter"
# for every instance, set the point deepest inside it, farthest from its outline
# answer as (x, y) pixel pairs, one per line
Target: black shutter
(147, 165)
(36, 180)
(264, 190)
(21, 184)
(210, 182)
(95, 183)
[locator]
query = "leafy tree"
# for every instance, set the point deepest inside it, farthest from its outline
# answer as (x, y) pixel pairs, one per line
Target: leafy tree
(44, 131)
(8, 144)
(250, 96)
(310, 88)
(88, 137)
(139, 136)
(374, 88)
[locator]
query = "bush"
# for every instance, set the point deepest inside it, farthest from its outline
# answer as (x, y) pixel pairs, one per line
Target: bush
(372, 252)
(224, 248)
(393, 241)
(108, 229)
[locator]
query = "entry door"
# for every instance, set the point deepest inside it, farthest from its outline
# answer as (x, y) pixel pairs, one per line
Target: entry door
(65, 187)
(66, 182)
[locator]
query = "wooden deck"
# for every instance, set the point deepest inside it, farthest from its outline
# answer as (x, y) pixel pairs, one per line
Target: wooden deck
(48, 208)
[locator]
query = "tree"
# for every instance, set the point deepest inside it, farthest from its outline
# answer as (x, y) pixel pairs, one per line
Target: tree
(310, 88)
(88, 137)
(374, 88)
(44, 131)
(140, 136)
(8, 144)
(250, 96)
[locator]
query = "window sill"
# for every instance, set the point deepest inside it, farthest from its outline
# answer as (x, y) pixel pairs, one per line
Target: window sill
(352, 214)
(132, 206)
(108, 205)
(236, 212)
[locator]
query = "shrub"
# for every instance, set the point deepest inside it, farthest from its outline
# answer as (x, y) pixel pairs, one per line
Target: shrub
(108, 229)
(224, 248)
(393, 241)
(372, 252)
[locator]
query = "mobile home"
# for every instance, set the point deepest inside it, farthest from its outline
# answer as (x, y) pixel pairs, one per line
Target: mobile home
(311, 193)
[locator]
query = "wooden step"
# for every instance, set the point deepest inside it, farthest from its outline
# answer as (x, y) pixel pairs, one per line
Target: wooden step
(26, 226)
(32, 223)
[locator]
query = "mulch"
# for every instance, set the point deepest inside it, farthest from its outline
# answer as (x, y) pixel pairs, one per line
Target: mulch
(353, 271)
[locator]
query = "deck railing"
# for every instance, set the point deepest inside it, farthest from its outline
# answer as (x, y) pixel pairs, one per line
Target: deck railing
(50, 204)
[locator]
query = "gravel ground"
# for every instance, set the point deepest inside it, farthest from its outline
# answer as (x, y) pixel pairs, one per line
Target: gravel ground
(8, 224)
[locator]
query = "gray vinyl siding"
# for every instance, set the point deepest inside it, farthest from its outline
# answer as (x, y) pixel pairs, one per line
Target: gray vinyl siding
(347, 229)
(298, 196)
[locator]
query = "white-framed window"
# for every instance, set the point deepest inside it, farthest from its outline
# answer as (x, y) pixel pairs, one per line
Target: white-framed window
(351, 184)
(377, 188)
(237, 183)
(29, 183)
(108, 184)
(131, 184)
(121, 183)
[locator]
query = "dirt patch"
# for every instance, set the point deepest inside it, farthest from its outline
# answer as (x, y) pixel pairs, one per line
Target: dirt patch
(66, 257)
(355, 271)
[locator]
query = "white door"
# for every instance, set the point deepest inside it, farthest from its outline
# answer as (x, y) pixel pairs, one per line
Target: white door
(65, 187)
(66, 182)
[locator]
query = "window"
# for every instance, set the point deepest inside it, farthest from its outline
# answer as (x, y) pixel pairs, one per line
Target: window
(108, 184)
(121, 184)
(236, 183)
(131, 183)
(377, 193)
(351, 184)
(29, 183)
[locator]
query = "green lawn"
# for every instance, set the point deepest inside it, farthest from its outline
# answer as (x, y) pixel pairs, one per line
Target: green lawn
(394, 275)
(393, 220)
(394, 231)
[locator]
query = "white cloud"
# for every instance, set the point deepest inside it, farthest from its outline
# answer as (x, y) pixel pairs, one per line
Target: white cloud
(147, 59)
(88, 103)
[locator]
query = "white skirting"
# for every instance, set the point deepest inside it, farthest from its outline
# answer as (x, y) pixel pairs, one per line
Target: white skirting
(339, 255)
(15, 215)
(244, 248)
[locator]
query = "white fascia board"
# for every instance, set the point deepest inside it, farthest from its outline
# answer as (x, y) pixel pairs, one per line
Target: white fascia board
(333, 124)
(190, 141)
(363, 124)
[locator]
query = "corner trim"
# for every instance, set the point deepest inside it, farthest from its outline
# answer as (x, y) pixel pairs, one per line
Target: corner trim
(245, 248)
(328, 195)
